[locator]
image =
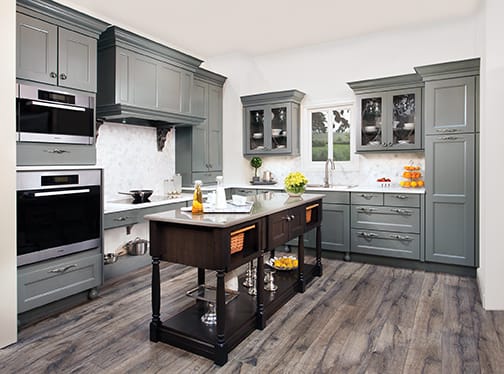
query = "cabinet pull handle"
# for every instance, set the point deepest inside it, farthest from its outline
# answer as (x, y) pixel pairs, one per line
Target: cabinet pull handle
(449, 138)
(121, 219)
(62, 270)
(401, 211)
(57, 151)
(287, 218)
(365, 210)
(367, 235)
(400, 237)
(63, 76)
(367, 196)
(446, 130)
(390, 144)
(52, 74)
(401, 197)
(384, 144)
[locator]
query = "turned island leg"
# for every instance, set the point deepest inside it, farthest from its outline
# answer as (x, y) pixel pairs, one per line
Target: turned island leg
(221, 348)
(156, 300)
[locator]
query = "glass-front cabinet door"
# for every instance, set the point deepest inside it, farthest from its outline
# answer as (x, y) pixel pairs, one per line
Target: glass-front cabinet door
(406, 119)
(390, 121)
(279, 127)
(371, 115)
(256, 136)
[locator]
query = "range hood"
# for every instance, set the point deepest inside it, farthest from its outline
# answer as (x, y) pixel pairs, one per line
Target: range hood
(142, 82)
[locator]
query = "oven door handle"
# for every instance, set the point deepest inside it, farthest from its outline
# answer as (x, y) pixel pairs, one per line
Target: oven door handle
(58, 106)
(65, 192)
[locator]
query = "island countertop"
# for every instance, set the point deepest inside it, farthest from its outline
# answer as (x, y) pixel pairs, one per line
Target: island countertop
(263, 205)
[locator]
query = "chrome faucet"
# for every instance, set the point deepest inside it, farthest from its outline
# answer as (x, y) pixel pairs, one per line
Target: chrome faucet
(326, 176)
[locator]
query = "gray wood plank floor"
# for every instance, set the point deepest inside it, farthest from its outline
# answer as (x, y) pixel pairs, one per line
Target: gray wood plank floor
(356, 318)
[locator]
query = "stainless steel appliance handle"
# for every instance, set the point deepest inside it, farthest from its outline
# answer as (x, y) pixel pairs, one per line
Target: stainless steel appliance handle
(65, 192)
(59, 106)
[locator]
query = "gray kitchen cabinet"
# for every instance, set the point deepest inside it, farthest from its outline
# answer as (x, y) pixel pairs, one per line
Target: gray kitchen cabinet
(48, 281)
(451, 157)
(335, 228)
(450, 200)
(142, 82)
(55, 154)
(451, 96)
(199, 148)
(135, 215)
(392, 226)
(271, 123)
(389, 113)
(450, 106)
(54, 55)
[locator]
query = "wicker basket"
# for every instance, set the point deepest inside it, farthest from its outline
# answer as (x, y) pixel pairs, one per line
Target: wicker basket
(237, 242)
(308, 216)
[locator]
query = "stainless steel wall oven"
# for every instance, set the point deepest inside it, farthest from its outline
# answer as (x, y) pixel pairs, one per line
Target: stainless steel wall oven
(49, 114)
(58, 212)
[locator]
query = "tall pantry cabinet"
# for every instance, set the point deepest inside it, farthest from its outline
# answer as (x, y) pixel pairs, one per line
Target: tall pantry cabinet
(451, 161)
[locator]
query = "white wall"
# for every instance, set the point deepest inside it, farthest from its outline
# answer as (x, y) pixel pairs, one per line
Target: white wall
(490, 273)
(8, 306)
(321, 72)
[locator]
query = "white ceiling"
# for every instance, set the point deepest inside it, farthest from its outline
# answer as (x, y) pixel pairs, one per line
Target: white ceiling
(207, 28)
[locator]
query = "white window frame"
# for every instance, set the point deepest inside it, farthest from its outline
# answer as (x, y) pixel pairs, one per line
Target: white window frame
(308, 164)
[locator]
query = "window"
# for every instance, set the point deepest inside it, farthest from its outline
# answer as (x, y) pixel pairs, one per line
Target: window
(330, 133)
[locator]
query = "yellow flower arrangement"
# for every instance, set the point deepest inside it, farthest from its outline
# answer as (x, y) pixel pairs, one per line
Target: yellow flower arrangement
(295, 182)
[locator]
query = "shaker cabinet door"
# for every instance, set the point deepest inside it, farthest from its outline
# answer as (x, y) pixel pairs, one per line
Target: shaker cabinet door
(77, 61)
(450, 199)
(36, 50)
(450, 106)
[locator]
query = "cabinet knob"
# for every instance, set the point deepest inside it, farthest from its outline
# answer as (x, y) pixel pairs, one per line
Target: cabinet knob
(367, 196)
(384, 144)
(390, 144)
(121, 219)
(52, 74)
(63, 76)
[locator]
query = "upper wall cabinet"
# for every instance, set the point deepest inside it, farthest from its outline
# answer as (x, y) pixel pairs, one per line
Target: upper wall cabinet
(451, 94)
(139, 79)
(199, 148)
(56, 45)
(271, 123)
(389, 113)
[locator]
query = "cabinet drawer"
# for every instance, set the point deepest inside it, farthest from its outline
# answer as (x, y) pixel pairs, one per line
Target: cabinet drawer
(43, 283)
(402, 199)
(54, 154)
(368, 198)
(386, 218)
(390, 244)
(124, 218)
(336, 197)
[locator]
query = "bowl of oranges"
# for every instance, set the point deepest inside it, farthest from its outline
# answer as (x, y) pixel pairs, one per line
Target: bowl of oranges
(412, 177)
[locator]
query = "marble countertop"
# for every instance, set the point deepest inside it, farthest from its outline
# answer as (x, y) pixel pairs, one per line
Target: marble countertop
(126, 204)
(264, 204)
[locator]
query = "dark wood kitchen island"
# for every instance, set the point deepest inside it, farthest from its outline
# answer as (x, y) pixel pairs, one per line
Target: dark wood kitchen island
(222, 242)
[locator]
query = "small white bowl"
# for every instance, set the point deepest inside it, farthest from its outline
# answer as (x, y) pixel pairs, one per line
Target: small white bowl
(257, 135)
(276, 132)
(369, 129)
(409, 126)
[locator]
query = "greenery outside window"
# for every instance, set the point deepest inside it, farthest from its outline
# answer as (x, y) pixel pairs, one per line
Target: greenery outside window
(331, 135)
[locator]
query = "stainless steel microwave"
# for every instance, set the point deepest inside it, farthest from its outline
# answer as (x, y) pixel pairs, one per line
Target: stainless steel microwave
(50, 115)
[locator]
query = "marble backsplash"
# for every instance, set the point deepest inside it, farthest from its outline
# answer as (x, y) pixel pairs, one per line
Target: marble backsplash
(129, 157)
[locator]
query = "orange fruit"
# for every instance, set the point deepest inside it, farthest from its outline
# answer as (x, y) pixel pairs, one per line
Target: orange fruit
(420, 183)
(406, 184)
(407, 174)
(413, 184)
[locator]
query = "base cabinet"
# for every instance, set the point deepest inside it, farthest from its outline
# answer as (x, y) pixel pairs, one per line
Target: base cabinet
(42, 283)
(391, 227)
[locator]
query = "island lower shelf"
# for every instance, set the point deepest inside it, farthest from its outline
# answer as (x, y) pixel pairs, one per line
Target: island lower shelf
(186, 330)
